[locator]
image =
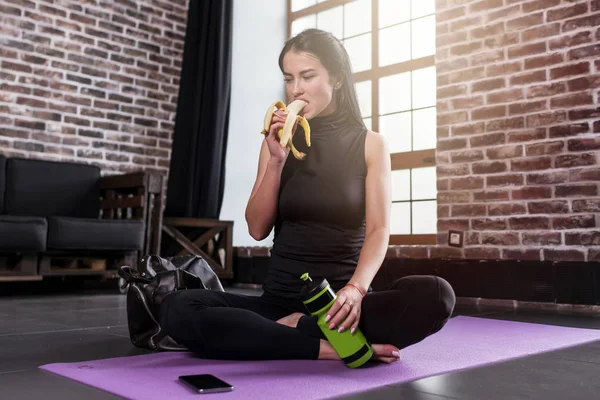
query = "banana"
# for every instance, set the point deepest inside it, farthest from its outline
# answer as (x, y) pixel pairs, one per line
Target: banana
(285, 134)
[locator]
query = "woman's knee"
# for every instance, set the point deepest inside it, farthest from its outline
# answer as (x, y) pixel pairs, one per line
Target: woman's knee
(176, 311)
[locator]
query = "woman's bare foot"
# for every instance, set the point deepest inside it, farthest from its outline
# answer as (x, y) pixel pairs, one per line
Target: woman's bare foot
(290, 320)
(381, 352)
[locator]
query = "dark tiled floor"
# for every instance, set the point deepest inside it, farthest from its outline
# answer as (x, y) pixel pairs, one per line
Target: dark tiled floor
(85, 325)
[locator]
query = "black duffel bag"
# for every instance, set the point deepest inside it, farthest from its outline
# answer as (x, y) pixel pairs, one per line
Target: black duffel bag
(150, 283)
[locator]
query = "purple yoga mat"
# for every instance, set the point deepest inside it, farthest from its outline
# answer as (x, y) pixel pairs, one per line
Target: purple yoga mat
(464, 342)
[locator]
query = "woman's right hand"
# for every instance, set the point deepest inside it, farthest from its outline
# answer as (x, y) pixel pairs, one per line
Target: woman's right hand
(278, 153)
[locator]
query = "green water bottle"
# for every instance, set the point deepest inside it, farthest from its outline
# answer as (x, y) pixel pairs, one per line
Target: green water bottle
(318, 297)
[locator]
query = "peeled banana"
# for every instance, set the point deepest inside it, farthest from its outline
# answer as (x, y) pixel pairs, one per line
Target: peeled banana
(285, 134)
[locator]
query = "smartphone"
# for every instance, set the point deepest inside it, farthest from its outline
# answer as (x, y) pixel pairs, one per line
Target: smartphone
(206, 383)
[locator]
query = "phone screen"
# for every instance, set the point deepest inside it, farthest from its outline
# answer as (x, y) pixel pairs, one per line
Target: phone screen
(206, 383)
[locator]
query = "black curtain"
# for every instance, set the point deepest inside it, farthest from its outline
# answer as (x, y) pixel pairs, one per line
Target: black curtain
(197, 170)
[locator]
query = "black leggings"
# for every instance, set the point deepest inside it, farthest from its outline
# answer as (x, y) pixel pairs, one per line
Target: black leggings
(221, 325)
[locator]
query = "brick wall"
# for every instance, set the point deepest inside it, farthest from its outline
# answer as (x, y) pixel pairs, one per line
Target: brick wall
(94, 81)
(519, 128)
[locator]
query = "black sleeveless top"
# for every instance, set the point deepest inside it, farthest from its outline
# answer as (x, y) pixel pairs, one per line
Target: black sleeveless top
(320, 223)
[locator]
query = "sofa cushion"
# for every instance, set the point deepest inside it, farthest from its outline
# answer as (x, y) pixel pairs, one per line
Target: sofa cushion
(2, 181)
(19, 233)
(44, 188)
(94, 234)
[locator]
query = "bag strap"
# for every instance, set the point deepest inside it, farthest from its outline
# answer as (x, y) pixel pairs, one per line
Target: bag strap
(131, 275)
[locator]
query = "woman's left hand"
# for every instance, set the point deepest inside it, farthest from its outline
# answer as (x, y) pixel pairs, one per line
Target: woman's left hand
(345, 312)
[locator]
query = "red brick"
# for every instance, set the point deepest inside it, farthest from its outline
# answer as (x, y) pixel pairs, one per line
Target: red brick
(453, 224)
(451, 144)
(574, 222)
(570, 41)
(563, 255)
(528, 78)
(583, 144)
(453, 197)
(566, 12)
(488, 113)
(467, 156)
(575, 160)
(543, 119)
(487, 31)
(521, 254)
(542, 239)
(443, 132)
(489, 167)
(466, 183)
(450, 14)
(568, 130)
(546, 90)
(451, 91)
(471, 129)
(576, 190)
(452, 170)
(452, 118)
(503, 69)
(584, 83)
(597, 127)
(485, 196)
(500, 239)
(505, 124)
(528, 193)
(452, 65)
(526, 21)
(504, 152)
(507, 96)
(526, 50)
(540, 149)
(468, 210)
(501, 41)
(540, 32)
(548, 207)
(507, 209)
(487, 85)
(588, 205)
(593, 254)
(531, 164)
(482, 253)
(487, 57)
(467, 75)
(585, 174)
(529, 223)
(443, 211)
(527, 136)
(504, 180)
(583, 238)
(584, 114)
(445, 252)
(487, 140)
(584, 52)
(488, 224)
(582, 22)
(411, 252)
(543, 61)
(570, 70)
(465, 49)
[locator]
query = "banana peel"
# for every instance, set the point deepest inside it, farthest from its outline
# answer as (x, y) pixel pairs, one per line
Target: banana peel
(285, 134)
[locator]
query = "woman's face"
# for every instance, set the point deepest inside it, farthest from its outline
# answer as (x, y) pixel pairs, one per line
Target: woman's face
(307, 79)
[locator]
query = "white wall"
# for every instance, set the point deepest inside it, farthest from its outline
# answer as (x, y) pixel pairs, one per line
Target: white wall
(259, 33)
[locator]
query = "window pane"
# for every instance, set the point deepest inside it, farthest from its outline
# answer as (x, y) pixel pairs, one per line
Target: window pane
(332, 21)
(357, 18)
(424, 217)
(420, 8)
(424, 129)
(301, 4)
(394, 44)
(397, 129)
(423, 37)
(363, 91)
(394, 93)
(359, 50)
(424, 183)
(367, 122)
(423, 87)
(401, 185)
(392, 12)
(310, 21)
(400, 219)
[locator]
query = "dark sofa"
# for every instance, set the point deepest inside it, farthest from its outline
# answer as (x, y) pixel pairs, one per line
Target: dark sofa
(56, 216)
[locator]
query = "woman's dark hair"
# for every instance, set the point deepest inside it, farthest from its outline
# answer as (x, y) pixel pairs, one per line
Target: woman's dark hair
(332, 54)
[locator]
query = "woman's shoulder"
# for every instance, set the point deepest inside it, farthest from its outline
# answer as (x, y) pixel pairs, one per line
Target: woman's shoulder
(376, 146)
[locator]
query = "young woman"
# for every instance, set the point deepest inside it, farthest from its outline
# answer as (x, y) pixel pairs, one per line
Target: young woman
(331, 215)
